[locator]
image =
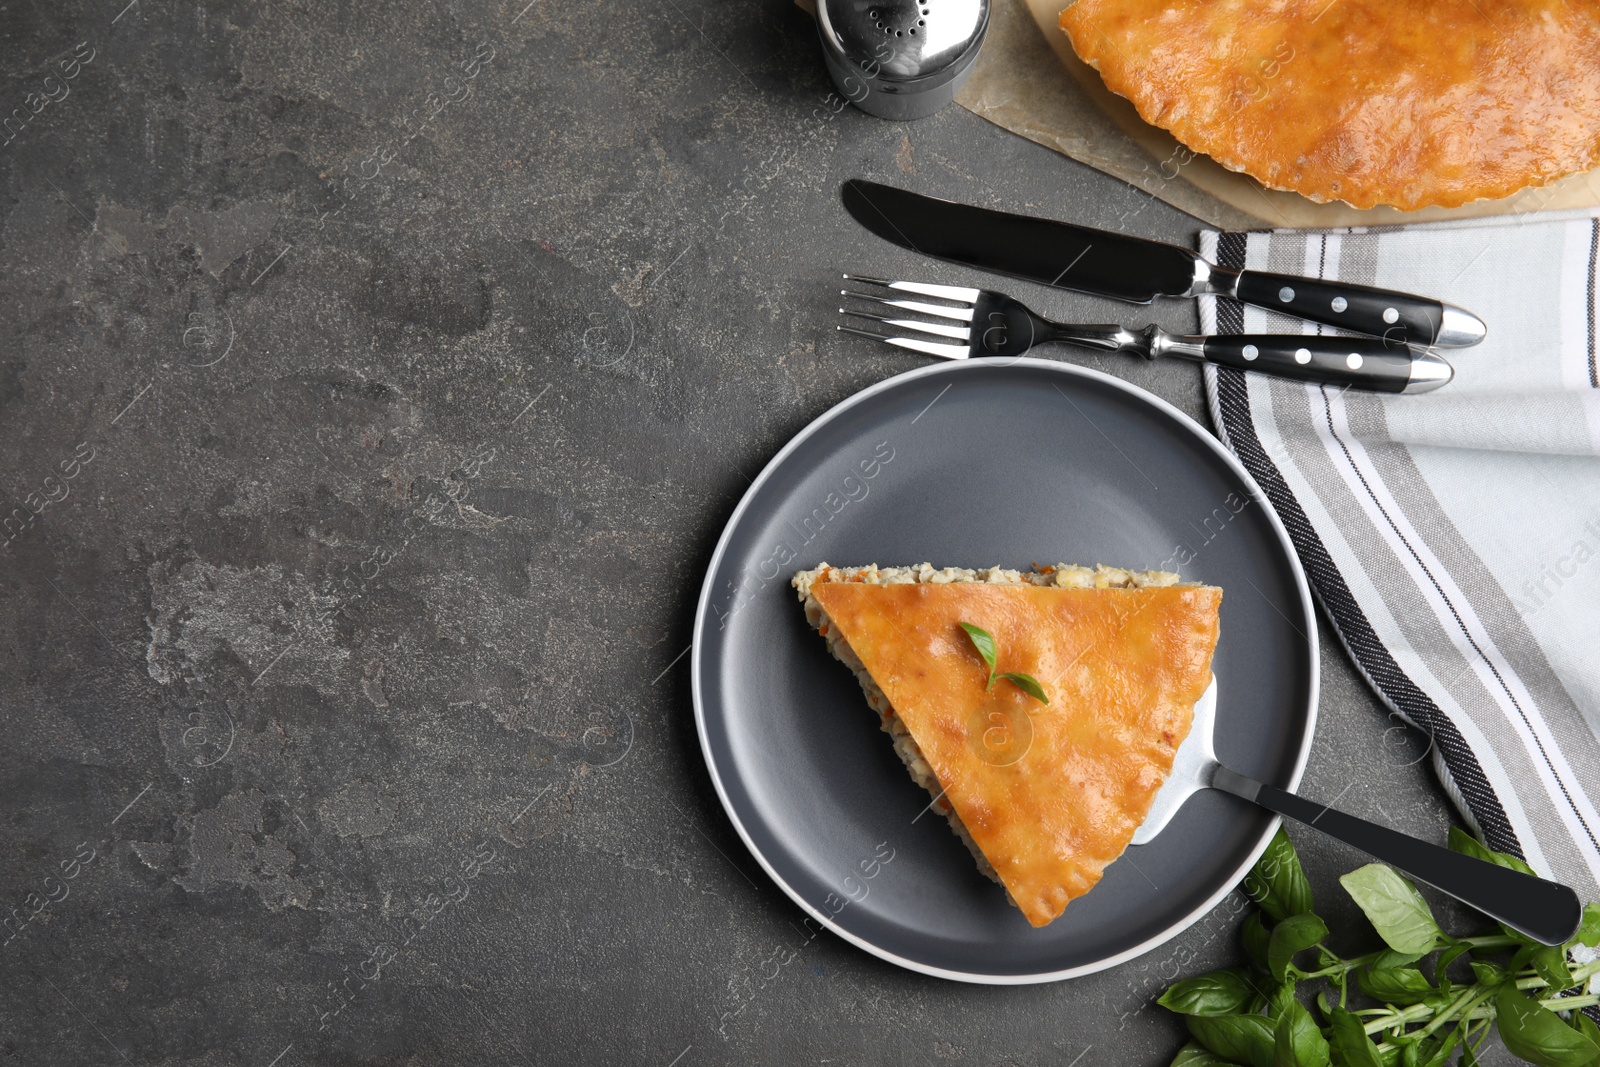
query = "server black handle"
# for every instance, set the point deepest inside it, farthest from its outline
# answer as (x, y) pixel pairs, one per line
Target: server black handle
(1546, 911)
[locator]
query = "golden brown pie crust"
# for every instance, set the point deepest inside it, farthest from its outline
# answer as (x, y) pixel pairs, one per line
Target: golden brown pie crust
(1122, 669)
(1411, 103)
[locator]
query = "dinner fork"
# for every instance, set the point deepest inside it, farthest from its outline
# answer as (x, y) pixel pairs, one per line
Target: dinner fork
(982, 322)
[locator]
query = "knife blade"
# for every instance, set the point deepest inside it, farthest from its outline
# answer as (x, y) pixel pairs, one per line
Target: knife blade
(1138, 270)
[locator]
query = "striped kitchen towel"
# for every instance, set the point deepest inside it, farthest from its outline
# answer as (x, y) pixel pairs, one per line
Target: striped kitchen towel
(1454, 537)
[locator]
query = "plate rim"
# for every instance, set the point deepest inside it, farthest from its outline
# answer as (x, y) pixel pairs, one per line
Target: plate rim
(703, 610)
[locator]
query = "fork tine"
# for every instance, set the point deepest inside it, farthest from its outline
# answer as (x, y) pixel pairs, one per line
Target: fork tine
(959, 294)
(962, 314)
(960, 333)
(929, 348)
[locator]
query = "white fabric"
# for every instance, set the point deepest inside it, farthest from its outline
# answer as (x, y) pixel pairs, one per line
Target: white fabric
(1455, 536)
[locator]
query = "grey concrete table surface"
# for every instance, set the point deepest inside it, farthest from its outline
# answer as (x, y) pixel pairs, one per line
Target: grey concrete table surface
(376, 380)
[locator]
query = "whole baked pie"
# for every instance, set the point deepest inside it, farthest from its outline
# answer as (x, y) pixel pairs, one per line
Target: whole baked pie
(1413, 104)
(1045, 760)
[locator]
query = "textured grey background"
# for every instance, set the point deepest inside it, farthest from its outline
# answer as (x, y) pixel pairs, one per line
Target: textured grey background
(419, 352)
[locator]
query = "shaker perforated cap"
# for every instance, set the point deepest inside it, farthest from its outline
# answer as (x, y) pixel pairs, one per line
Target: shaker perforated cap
(901, 58)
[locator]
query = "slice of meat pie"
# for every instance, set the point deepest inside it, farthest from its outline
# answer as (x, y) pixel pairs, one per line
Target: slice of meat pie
(1042, 710)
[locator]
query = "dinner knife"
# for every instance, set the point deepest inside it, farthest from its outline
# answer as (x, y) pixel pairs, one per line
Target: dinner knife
(1139, 270)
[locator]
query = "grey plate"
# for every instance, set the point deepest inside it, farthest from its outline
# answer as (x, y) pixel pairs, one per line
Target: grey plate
(972, 464)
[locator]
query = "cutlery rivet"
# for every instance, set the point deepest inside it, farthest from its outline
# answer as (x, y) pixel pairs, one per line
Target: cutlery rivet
(1251, 351)
(1286, 294)
(1390, 314)
(1340, 303)
(1302, 355)
(1353, 361)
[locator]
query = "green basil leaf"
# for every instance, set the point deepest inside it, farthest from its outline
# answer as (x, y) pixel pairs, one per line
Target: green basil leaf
(1219, 993)
(1245, 1039)
(1550, 963)
(1394, 907)
(1589, 929)
(983, 641)
(1585, 1025)
(1467, 845)
(1488, 973)
(1277, 882)
(1446, 958)
(1294, 934)
(1349, 1042)
(1390, 958)
(1028, 684)
(1535, 1033)
(1296, 1041)
(1279, 1000)
(1194, 1055)
(1395, 985)
(1254, 937)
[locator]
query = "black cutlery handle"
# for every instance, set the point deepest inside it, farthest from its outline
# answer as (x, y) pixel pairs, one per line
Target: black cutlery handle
(1546, 911)
(1358, 362)
(1396, 317)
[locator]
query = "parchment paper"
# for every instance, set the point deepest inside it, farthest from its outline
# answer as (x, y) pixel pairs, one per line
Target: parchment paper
(1029, 81)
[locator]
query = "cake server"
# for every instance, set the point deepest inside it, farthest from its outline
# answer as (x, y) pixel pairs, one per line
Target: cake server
(1546, 911)
(1139, 270)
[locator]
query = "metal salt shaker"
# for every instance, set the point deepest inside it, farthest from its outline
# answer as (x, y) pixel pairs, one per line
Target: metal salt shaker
(901, 59)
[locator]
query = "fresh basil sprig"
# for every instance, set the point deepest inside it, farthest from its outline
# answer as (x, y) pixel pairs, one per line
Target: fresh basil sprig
(989, 649)
(1393, 1007)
